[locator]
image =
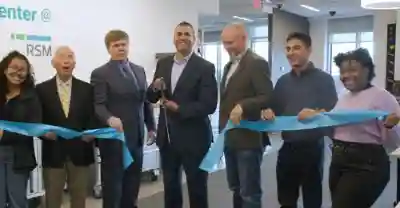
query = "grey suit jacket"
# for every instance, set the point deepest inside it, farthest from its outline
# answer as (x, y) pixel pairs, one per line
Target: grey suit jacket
(114, 95)
(251, 87)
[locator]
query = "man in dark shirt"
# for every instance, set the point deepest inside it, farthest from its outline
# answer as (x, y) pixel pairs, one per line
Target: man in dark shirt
(300, 159)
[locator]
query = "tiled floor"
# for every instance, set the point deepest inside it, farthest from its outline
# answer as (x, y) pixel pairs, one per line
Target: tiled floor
(219, 196)
(147, 190)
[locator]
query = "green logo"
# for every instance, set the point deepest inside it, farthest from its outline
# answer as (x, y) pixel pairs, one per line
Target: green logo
(36, 45)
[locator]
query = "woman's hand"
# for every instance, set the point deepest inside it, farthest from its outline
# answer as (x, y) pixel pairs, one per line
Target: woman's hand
(391, 121)
(307, 113)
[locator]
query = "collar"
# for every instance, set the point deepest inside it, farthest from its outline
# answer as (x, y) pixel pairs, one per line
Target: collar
(60, 82)
(184, 60)
(309, 69)
(120, 62)
(238, 57)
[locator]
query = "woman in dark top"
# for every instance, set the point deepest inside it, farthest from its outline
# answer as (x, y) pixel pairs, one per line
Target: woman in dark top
(18, 102)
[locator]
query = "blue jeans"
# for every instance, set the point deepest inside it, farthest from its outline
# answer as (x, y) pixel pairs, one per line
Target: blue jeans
(12, 185)
(243, 168)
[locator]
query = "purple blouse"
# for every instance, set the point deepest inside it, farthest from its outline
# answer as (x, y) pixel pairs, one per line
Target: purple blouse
(373, 98)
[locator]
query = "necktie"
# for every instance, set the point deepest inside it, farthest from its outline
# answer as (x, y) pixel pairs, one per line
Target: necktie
(64, 98)
(128, 73)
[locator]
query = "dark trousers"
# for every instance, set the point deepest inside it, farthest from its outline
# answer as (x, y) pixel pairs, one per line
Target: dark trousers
(358, 174)
(243, 169)
(172, 162)
(300, 165)
(398, 182)
(120, 186)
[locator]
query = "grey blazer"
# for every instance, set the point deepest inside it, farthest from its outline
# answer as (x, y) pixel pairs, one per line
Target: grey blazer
(114, 95)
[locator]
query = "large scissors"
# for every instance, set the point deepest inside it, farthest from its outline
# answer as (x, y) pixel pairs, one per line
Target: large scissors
(163, 99)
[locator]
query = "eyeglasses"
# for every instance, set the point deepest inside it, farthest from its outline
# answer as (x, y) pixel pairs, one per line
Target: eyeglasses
(19, 72)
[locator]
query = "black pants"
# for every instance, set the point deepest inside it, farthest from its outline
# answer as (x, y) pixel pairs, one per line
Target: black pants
(172, 161)
(120, 186)
(358, 174)
(300, 165)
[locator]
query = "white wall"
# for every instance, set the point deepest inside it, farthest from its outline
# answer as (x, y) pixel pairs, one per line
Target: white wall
(319, 36)
(83, 24)
(283, 23)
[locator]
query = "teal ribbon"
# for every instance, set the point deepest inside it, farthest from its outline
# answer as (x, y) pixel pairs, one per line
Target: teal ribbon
(287, 123)
(37, 130)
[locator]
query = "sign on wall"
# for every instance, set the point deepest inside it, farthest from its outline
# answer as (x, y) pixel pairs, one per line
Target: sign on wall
(27, 29)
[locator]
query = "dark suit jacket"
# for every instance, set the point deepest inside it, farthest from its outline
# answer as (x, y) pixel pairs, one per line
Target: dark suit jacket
(81, 117)
(24, 108)
(114, 95)
(250, 86)
(196, 93)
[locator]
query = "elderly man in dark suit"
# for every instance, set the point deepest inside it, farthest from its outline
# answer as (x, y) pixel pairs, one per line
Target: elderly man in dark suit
(184, 135)
(67, 102)
(120, 102)
(245, 89)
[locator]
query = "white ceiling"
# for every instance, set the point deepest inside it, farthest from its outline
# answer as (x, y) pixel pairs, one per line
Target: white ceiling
(244, 8)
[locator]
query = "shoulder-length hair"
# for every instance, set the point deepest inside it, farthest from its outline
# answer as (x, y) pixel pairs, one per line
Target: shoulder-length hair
(4, 63)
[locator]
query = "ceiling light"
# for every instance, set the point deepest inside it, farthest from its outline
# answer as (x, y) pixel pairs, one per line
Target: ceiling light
(310, 8)
(380, 4)
(243, 18)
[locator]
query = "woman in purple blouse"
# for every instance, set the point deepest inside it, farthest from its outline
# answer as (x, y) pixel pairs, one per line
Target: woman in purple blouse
(359, 170)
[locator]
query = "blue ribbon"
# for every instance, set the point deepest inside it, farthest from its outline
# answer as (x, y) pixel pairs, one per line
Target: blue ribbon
(287, 123)
(37, 130)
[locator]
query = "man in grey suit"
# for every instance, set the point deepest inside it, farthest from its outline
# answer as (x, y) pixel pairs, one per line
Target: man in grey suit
(246, 87)
(120, 102)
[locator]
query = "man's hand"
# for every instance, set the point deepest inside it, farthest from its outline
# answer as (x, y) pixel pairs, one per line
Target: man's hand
(268, 114)
(151, 138)
(159, 84)
(115, 123)
(50, 136)
(391, 121)
(88, 138)
(236, 114)
(1, 133)
(171, 105)
(307, 113)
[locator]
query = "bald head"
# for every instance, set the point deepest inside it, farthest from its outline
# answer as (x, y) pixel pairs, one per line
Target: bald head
(64, 62)
(235, 29)
(234, 38)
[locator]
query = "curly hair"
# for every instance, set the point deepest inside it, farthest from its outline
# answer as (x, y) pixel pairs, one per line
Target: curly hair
(4, 63)
(360, 55)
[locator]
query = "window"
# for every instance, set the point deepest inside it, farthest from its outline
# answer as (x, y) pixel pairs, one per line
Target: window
(210, 53)
(224, 58)
(369, 46)
(343, 37)
(261, 47)
(260, 31)
(337, 48)
(344, 42)
(367, 42)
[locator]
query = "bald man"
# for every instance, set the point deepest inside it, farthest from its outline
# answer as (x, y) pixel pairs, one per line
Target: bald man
(66, 102)
(245, 89)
